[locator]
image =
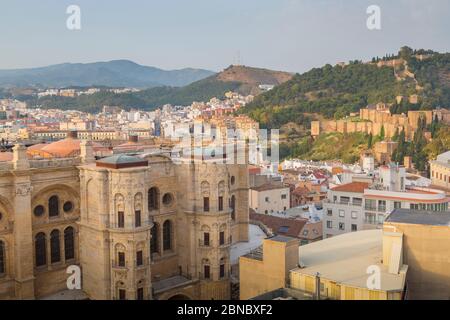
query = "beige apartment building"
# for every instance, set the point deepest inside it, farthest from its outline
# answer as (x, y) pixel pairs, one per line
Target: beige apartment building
(139, 227)
(269, 198)
(440, 171)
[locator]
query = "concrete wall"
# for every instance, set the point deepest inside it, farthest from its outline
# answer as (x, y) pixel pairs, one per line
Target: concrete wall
(260, 276)
(425, 251)
(335, 291)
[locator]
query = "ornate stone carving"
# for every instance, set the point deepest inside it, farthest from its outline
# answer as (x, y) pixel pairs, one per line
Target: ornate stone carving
(23, 190)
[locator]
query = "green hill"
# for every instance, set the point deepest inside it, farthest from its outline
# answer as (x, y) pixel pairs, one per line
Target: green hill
(335, 91)
(346, 147)
(149, 99)
(242, 79)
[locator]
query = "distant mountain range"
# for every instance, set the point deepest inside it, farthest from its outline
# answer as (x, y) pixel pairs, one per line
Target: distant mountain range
(242, 79)
(117, 73)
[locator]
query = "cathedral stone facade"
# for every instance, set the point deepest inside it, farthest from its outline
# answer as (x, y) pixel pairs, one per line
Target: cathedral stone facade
(139, 226)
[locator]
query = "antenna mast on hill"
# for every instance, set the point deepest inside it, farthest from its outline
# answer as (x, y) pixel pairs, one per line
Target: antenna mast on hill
(238, 58)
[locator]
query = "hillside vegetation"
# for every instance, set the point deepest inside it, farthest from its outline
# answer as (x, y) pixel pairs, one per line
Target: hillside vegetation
(242, 79)
(329, 146)
(149, 99)
(335, 91)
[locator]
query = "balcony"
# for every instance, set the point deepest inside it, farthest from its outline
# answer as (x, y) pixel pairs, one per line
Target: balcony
(202, 244)
(130, 226)
(116, 267)
(371, 222)
(344, 203)
(212, 244)
(226, 244)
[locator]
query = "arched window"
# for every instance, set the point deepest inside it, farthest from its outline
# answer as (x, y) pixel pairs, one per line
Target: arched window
(53, 206)
(137, 218)
(2, 258)
(55, 250)
(137, 210)
(154, 243)
(167, 235)
(69, 243)
(153, 199)
(40, 249)
(222, 268)
(121, 291)
(221, 193)
(233, 207)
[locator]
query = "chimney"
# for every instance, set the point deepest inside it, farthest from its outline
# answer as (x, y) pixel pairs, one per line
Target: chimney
(133, 138)
(73, 134)
(20, 158)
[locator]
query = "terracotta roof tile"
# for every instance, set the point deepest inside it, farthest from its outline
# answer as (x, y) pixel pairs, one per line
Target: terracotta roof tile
(280, 226)
(356, 187)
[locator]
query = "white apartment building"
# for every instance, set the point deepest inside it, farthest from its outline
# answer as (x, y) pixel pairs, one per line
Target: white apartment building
(343, 209)
(269, 198)
(360, 206)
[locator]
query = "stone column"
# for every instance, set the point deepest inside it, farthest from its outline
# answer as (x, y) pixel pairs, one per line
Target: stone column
(23, 237)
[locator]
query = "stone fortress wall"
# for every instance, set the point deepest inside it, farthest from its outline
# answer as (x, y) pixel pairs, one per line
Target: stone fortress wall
(372, 119)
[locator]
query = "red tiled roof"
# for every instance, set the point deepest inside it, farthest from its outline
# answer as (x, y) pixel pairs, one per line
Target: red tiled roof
(319, 175)
(280, 226)
(300, 191)
(356, 187)
(312, 231)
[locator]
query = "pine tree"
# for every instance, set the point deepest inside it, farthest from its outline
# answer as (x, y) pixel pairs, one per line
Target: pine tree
(419, 143)
(370, 141)
(382, 133)
(396, 135)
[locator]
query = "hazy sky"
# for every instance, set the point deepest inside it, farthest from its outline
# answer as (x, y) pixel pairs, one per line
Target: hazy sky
(291, 35)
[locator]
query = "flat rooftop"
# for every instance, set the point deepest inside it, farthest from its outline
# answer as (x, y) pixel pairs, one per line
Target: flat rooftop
(280, 238)
(170, 283)
(256, 237)
(345, 259)
(432, 218)
(269, 186)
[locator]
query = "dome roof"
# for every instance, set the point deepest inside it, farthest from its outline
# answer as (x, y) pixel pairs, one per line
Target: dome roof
(121, 161)
(65, 148)
(68, 147)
